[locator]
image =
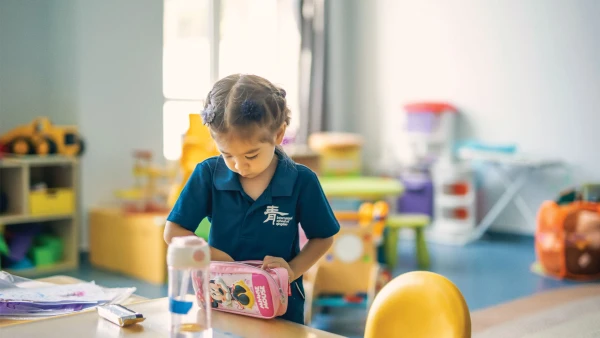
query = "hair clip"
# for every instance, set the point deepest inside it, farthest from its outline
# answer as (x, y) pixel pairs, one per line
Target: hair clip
(282, 92)
(208, 114)
(252, 110)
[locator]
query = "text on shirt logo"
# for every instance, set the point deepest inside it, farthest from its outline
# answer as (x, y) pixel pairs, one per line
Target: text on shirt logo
(277, 217)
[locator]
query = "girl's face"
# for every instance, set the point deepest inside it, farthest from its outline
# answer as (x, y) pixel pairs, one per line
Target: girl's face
(248, 158)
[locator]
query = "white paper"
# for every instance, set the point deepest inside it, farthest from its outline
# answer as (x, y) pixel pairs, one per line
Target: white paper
(80, 293)
(22, 298)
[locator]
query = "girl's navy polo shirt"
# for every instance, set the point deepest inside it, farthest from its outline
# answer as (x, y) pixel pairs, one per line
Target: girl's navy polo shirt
(250, 230)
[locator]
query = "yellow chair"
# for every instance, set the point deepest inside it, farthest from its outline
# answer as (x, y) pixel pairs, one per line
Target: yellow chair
(419, 304)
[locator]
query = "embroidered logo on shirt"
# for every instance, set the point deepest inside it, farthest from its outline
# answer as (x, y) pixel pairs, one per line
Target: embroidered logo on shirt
(277, 217)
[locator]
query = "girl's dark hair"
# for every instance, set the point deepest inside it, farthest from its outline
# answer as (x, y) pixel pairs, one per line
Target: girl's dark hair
(242, 102)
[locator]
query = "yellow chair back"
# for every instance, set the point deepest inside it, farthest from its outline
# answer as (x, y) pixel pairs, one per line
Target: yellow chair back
(419, 304)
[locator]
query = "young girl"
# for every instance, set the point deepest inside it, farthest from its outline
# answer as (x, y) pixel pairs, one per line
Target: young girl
(254, 195)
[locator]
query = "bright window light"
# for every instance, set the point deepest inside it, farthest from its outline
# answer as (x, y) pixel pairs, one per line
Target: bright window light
(262, 37)
(256, 37)
(186, 49)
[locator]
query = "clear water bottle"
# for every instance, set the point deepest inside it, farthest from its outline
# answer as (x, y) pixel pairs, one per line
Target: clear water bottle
(188, 260)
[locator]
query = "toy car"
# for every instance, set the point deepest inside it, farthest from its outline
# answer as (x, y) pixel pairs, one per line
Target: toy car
(41, 137)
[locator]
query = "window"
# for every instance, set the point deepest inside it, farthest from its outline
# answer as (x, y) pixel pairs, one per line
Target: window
(205, 40)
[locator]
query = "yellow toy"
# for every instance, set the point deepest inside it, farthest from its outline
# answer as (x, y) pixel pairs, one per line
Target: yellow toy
(151, 187)
(350, 268)
(197, 147)
(419, 304)
(41, 137)
(375, 215)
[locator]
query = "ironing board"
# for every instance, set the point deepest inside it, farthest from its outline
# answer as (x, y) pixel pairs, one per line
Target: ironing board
(526, 165)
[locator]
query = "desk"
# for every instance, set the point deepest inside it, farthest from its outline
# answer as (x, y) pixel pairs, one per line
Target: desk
(361, 187)
(62, 280)
(89, 324)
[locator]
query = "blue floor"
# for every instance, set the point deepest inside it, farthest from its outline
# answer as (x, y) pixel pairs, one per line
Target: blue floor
(491, 271)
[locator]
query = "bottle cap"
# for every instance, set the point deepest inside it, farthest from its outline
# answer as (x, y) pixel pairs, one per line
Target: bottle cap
(189, 252)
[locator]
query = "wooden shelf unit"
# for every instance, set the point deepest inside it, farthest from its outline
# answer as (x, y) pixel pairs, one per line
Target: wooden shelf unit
(17, 175)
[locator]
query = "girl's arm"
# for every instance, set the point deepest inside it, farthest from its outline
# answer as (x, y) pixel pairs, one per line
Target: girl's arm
(311, 252)
(176, 230)
(318, 221)
(220, 256)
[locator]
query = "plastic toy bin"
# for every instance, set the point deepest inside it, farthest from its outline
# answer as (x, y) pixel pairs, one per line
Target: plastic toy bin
(47, 251)
(454, 201)
(51, 201)
(340, 153)
(433, 120)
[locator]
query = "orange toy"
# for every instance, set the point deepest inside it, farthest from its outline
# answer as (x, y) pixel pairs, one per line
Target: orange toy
(197, 147)
(365, 214)
(567, 240)
(375, 215)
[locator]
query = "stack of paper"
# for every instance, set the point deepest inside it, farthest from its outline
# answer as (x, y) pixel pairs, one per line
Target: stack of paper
(30, 300)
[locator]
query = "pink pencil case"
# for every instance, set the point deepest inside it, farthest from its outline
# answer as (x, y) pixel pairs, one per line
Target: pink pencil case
(247, 289)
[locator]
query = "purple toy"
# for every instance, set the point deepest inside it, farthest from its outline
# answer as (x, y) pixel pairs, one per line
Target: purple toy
(20, 239)
(418, 195)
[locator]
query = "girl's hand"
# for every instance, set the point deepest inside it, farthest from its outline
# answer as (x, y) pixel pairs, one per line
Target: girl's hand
(271, 262)
(218, 255)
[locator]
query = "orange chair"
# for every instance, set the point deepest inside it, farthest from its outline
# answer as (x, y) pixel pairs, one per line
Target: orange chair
(419, 304)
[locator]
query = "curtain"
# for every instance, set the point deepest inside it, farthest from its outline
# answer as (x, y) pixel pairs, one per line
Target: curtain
(312, 68)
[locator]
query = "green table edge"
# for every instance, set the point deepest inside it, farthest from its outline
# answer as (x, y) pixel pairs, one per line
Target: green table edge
(339, 187)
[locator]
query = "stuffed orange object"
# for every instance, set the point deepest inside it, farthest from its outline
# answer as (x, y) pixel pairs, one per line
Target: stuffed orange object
(567, 239)
(419, 304)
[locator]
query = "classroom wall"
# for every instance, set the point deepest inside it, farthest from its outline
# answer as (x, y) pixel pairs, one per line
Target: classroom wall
(32, 56)
(520, 71)
(119, 50)
(94, 63)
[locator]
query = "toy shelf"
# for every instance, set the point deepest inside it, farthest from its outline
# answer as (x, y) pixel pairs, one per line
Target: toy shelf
(39, 194)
